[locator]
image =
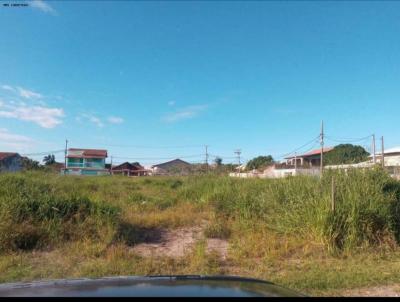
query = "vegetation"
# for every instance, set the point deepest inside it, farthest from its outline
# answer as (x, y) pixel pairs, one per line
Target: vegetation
(259, 162)
(282, 230)
(49, 159)
(218, 161)
(30, 164)
(346, 154)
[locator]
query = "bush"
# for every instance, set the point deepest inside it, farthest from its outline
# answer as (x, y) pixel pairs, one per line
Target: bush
(33, 215)
(367, 205)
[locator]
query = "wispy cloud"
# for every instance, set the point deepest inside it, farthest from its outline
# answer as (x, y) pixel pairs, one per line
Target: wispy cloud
(43, 116)
(43, 6)
(22, 92)
(7, 87)
(28, 94)
(14, 141)
(184, 113)
(171, 103)
(91, 118)
(35, 110)
(115, 120)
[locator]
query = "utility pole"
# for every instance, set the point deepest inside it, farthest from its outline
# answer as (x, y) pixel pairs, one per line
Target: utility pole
(237, 152)
(111, 165)
(383, 153)
(65, 155)
(322, 147)
(206, 146)
(373, 149)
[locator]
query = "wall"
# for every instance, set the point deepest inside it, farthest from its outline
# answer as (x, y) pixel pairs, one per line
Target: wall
(98, 163)
(11, 164)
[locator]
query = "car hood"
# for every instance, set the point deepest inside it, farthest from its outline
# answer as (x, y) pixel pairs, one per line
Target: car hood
(154, 286)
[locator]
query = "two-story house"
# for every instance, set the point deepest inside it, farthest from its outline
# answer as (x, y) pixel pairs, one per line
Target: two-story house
(86, 162)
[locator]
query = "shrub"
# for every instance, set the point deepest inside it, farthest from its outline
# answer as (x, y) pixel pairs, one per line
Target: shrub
(32, 215)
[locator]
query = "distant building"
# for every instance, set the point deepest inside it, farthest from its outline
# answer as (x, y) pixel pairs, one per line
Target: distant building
(129, 169)
(10, 162)
(391, 157)
(279, 171)
(56, 166)
(240, 168)
(283, 170)
(176, 166)
(86, 162)
(309, 159)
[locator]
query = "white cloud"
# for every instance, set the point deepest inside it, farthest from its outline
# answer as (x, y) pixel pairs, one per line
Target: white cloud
(15, 141)
(35, 111)
(94, 119)
(28, 94)
(7, 87)
(43, 6)
(171, 103)
(185, 113)
(43, 116)
(115, 120)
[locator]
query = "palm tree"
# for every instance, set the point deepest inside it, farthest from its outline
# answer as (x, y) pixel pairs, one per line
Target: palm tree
(49, 159)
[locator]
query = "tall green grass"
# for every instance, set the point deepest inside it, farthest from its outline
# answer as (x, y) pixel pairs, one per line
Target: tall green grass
(34, 215)
(367, 209)
(39, 210)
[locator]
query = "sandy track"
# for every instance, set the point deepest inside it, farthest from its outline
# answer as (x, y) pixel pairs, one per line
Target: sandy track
(177, 243)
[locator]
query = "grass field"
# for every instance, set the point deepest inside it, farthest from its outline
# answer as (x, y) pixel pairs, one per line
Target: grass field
(281, 230)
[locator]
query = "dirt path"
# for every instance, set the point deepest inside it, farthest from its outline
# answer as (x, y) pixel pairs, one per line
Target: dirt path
(377, 291)
(176, 243)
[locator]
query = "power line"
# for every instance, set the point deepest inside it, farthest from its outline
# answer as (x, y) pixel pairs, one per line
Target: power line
(213, 155)
(157, 158)
(44, 153)
(150, 147)
(297, 149)
(348, 140)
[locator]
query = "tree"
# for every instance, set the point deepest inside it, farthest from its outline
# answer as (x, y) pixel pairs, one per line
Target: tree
(49, 159)
(259, 162)
(345, 154)
(29, 164)
(218, 161)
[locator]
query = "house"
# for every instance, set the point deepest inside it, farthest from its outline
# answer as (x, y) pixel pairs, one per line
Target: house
(279, 171)
(10, 162)
(391, 157)
(284, 170)
(56, 166)
(86, 162)
(240, 168)
(129, 169)
(309, 159)
(176, 166)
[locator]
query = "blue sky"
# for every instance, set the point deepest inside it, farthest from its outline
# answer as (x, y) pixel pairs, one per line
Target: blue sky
(153, 80)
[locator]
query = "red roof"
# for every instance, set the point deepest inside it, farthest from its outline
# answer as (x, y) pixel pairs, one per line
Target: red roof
(312, 152)
(4, 155)
(87, 153)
